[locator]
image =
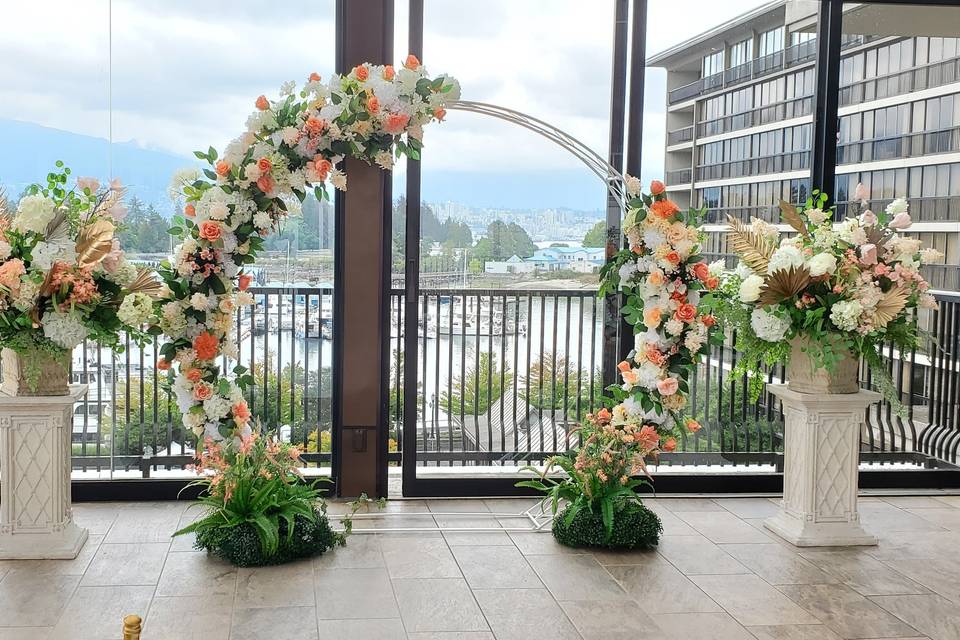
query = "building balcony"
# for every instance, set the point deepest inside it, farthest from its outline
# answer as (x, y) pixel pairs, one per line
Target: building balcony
(777, 112)
(909, 145)
(679, 136)
(917, 79)
(793, 161)
(678, 176)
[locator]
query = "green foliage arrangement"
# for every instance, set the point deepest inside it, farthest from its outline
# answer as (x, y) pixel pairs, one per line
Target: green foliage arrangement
(635, 527)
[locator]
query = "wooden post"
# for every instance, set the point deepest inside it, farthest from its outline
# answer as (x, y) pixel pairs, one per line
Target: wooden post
(362, 279)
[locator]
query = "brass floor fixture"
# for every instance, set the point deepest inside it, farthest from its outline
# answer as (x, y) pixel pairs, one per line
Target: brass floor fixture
(131, 627)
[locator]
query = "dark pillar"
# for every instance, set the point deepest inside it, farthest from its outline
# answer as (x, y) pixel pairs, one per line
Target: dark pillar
(829, 34)
(362, 274)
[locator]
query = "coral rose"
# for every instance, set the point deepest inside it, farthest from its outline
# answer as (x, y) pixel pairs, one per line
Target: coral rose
(373, 104)
(664, 208)
(603, 416)
(264, 165)
(223, 168)
(708, 320)
(266, 184)
(241, 412)
(657, 187)
(210, 230)
(412, 62)
(668, 386)
(712, 282)
(194, 375)
(315, 126)
(669, 444)
(439, 113)
(651, 317)
(244, 280)
(206, 345)
(189, 211)
(701, 271)
(396, 123)
(686, 313)
(314, 77)
(202, 391)
(262, 103)
(672, 257)
(692, 425)
(163, 364)
(388, 72)
(648, 437)
(624, 366)
(361, 73)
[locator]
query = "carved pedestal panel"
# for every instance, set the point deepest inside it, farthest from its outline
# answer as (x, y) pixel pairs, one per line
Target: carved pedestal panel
(820, 475)
(35, 515)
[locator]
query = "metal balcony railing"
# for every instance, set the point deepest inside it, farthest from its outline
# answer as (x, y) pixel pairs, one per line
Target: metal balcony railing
(777, 112)
(791, 161)
(909, 145)
(678, 176)
(678, 136)
(928, 76)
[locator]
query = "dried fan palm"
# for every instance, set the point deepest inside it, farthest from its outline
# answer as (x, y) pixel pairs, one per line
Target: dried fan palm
(890, 306)
(6, 215)
(58, 229)
(147, 282)
(94, 243)
(788, 213)
(784, 284)
(754, 249)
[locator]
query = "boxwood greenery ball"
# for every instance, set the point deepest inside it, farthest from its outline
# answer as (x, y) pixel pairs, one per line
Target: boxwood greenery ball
(634, 527)
(240, 545)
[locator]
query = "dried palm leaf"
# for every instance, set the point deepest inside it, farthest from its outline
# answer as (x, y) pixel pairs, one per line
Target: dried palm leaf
(148, 283)
(784, 284)
(58, 229)
(108, 200)
(6, 215)
(789, 214)
(754, 249)
(47, 288)
(94, 243)
(890, 306)
(877, 235)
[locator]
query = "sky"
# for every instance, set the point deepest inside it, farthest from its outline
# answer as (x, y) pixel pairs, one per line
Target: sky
(178, 75)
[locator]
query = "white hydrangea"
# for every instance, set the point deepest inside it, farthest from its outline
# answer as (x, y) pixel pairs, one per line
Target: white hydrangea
(181, 177)
(647, 375)
(844, 314)
(824, 237)
(743, 271)
(750, 288)
(822, 264)
(64, 329)
(768, 326)
(897, 206)
(262, 220)
(817, 216)
(172, 320)
(653, 238)
(46, 253)
(135, 309)
(216, 407)
(784, 258)
(33, 214)
(27, 296)
(199, 302)
(673, 327)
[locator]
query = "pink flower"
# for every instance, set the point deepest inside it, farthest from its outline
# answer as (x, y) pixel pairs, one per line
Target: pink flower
(396, 123)
(116, 185)
(667, 386)
(88, 183)
(112, 260)
(10, 272)
(860, 193)
(868, 218)
(118, 212)
(868, 254)
(900, 221)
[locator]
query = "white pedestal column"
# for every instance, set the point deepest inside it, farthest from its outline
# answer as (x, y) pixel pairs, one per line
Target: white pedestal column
(820, 475)
(36, 521)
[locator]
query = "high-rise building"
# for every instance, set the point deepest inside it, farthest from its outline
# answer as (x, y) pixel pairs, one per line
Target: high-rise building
(740, 99)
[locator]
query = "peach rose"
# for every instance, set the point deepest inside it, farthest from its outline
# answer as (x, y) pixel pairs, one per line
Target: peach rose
(411, 62)
(189, 211)
(262, 103)
(10, 272)
(648, 437)
(202, 391)
(672, 257)
(163, 364)
(210, 230)
(194, 375)
(373, 104)
(667, 386)
(361, 72)
(630, 376)
(603, 415)
(322, 166)
(396, 123)
(651, 317)
(244, 280)
(264, 165)
(624, 366)
(657, 187)
(266, 184)
(656, 278)
(701, 271)
(314, 77)
(708, 320)
(669, 444)
(315, 126)
(712, 282)
(223, 168)
(388, 72)
(439, 113)
(693, 426)
(686, 312)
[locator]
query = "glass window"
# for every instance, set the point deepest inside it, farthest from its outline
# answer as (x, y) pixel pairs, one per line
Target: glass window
(741, 53)
(712, 64)
(771, 41)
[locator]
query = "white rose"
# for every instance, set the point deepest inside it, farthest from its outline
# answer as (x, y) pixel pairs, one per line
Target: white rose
(784, 258)
(33, 214)
(822, 263)
(198, 301)
(750, 288)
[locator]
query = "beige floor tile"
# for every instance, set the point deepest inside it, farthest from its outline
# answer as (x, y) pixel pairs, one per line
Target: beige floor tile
(777, 564)
(946, 517)
(126, 564)
(96, 517)
(28, 598)
(189, 618)
(689, 504)
(288, 623)
(438, 604)
(696, 555)
(611, 621)
(702, 626)
(950, 501)
(75, 567)
(344, 594)
(942, 576)
(457, 505)
(882, 518)
(451, 635)
(415, 557)
(95, 613)
(863, 573)
(750, 507)
(196, 573)
(659, 587)
(793, 632)
(915, 502)
(289, 585)
(722, 527)
(751, 601)
(934, 616)
(521, 614)
(513, 505)
(542, 543)
(362, 551)
(672, 525)
(26, 633)
(495, 568)
(484, 538)
(846, 612)
(916, 545)
(154, 523)
(577, 578)
(362, 630)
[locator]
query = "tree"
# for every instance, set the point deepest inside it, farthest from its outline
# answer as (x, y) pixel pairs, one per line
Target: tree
(479, 389)
(144, 230)
(555, 383)
(503, 241)
(596, 236)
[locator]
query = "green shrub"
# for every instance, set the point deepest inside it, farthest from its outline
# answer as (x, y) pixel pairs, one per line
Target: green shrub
(634, 527)
(240, 545)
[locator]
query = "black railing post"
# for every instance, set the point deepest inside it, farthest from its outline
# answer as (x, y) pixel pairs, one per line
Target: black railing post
(829, 36)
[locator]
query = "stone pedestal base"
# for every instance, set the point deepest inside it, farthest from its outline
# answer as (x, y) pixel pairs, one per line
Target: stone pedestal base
(820, 475)
(36, 522)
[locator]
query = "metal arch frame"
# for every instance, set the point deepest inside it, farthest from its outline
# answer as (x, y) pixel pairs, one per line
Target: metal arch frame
(610, 175)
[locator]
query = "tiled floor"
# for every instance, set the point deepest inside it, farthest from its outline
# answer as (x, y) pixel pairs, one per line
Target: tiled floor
(718, 575)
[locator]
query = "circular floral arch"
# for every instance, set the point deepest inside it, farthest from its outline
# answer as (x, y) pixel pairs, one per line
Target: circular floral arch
(291, 145)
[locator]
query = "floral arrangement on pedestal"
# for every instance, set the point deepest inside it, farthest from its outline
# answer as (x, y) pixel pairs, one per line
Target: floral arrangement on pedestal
(823, 298)
(64, 279)
(291, 145)
(662, 278)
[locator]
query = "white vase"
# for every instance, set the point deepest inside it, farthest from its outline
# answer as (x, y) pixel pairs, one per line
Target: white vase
(821, 452)
(804, 376)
